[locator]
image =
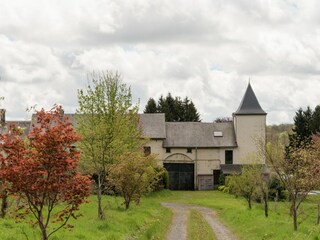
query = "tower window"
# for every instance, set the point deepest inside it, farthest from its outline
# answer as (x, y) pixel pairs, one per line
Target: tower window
(189, 150)
(228, 157)
(168, 150)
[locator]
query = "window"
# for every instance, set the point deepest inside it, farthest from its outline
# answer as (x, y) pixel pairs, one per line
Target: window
(189, 150)
(147, 150)
(217, 134)
(168, 150)
(228, 157)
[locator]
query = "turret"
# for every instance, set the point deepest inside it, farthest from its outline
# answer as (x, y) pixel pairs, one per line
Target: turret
(250, 127)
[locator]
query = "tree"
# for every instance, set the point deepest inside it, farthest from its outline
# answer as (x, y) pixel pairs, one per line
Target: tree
(315, 124)
(175, 109)
(223, 119)
(298, 170)
(43, 170)
(108, 124)
(273, 131)
(263, 183)
(302, 130)
(133, 175)
(247, 183)
(151, 106)
(4, 185)
(190, 113)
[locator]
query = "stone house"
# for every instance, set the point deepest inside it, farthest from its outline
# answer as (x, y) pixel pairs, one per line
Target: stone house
(196, 153)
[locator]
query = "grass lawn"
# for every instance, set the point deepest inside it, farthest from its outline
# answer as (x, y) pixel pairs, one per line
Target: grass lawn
(251, 224)
(198, 228)
(150, 220)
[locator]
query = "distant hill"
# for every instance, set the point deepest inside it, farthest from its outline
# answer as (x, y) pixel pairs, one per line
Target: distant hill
(273, 131)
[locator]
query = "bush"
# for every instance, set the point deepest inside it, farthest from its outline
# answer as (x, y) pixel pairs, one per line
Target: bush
(163, 183)
(277, 190)
(223, 188)
(222, 179)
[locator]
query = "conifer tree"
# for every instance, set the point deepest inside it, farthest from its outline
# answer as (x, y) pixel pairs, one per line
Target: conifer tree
(315, 124)
(302, 130)
(151, 106)
(174, 108)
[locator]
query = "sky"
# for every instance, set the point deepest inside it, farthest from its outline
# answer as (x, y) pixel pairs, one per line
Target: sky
(206, 50)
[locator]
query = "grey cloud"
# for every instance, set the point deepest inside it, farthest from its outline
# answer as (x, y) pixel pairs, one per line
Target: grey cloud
(206, 50)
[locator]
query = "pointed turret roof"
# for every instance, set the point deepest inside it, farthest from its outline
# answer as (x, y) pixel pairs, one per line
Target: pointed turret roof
(249, 104)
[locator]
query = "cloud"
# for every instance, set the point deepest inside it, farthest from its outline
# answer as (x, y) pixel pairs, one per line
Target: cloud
(31, 74)
(206, 50)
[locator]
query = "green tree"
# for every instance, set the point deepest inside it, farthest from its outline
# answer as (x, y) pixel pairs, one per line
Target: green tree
(297, 169)
(315, 124)
(246, 184)
(108, 123)
(190, 113)
(133, 175)
(273, 131)
(151, 106)
(170, 109)
(302, 130)
(175, 109)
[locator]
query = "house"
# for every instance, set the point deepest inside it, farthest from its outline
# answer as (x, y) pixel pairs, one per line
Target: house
(197, 153)
(5, 125)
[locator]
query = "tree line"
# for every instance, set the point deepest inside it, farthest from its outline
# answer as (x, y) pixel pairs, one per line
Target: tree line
(174, 108)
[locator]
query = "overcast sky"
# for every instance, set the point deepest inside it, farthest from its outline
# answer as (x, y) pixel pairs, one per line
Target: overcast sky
(206, 50)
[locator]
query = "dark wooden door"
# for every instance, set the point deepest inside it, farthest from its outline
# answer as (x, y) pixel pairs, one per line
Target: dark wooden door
(181, 176)
(216, 177)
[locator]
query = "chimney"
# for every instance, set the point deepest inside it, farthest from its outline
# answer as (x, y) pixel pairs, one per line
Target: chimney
(2, 117)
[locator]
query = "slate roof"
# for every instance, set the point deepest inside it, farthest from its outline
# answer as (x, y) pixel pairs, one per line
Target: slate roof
(197, 134)
(183, 134)
(70, 116)
(25, 125)
(153, 125)
(250, 104)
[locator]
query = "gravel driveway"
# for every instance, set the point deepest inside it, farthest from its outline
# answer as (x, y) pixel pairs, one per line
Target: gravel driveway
(178, 229)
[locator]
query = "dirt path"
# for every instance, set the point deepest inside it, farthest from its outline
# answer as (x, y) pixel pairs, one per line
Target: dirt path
(178, 229)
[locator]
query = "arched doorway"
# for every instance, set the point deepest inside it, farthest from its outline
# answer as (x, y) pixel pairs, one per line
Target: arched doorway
(181, 172)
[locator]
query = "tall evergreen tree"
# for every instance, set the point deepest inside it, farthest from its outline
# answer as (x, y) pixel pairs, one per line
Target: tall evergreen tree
(151, 106)
(302, 130)
(190, 114)
(175, 109)
(162, 105)
(171, 109)
(315, 124)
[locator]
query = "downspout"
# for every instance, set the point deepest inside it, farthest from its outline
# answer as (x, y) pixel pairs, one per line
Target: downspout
(196, 169)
